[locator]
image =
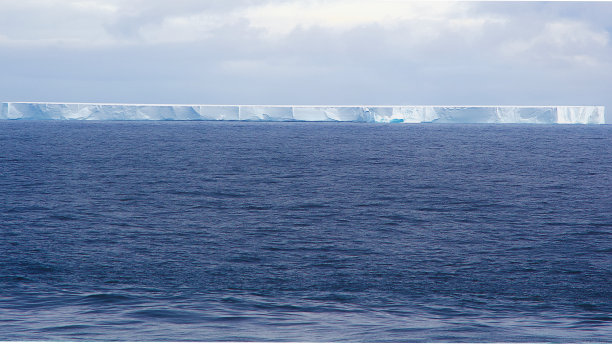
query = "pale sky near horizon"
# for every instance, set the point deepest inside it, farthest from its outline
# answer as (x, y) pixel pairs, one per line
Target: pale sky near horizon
(307, 52)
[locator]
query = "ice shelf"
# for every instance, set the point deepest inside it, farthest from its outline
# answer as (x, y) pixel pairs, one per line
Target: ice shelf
(360, 113)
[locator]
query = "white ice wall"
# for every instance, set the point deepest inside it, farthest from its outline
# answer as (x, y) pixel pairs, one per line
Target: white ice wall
(381, 114)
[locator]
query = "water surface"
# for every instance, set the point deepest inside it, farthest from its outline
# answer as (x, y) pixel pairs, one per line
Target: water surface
(305, 232)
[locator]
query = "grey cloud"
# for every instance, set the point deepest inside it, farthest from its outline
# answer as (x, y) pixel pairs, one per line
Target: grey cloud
(136, 14)
(370, 63)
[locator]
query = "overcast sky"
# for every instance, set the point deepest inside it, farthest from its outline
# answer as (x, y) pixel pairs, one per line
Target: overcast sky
(306, 52)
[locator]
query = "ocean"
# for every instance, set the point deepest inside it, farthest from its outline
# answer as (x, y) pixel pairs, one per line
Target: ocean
(352, 232)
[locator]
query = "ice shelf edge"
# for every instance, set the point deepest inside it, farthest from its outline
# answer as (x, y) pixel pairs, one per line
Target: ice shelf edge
(349, 113)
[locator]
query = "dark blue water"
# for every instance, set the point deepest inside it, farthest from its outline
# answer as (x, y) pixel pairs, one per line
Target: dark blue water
(305, 232)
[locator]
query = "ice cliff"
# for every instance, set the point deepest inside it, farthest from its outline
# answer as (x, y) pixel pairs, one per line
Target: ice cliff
(381, 114)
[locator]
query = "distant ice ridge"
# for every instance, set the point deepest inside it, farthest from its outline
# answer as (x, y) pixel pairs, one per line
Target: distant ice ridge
(371, 114)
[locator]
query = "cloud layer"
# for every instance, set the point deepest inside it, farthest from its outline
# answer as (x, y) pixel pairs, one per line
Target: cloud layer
(306, 52)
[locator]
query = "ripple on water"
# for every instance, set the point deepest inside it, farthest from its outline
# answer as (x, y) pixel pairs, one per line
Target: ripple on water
(108, 299)
(304, 231)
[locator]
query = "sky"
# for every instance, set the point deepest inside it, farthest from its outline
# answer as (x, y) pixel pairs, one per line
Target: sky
(307, 52)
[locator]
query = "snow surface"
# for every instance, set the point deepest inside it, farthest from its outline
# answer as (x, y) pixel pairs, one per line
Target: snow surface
(372, 114)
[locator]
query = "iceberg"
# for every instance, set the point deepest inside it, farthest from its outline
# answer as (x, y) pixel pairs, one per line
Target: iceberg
(319, 113)
(265, 113)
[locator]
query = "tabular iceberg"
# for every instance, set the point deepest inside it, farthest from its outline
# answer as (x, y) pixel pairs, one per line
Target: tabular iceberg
(371, 114)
